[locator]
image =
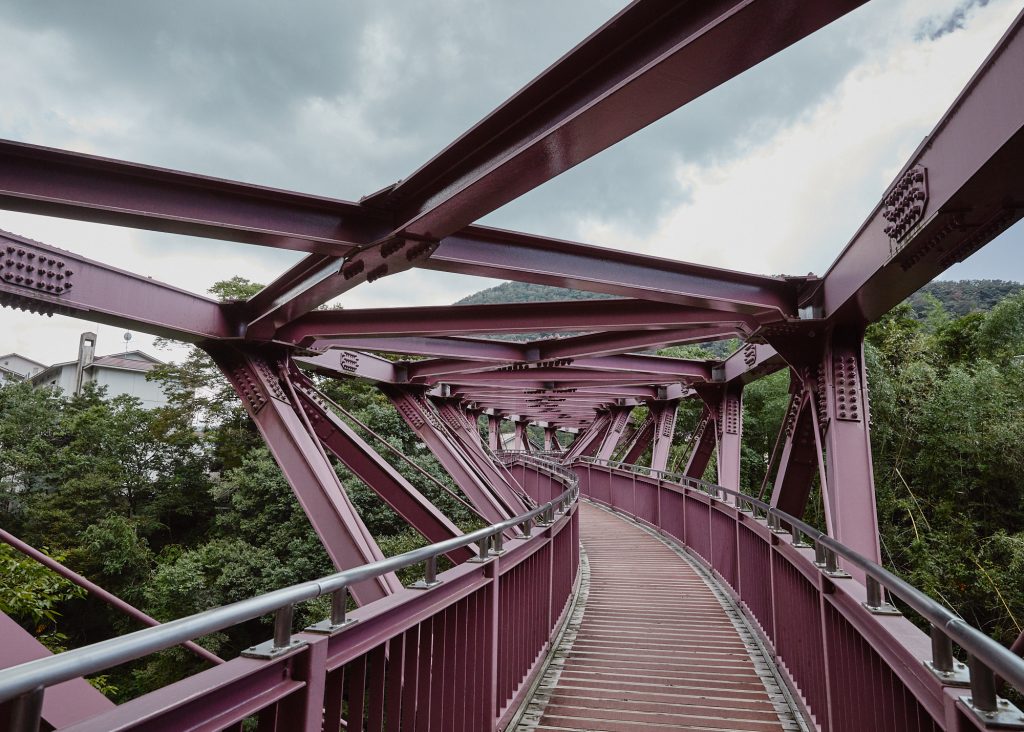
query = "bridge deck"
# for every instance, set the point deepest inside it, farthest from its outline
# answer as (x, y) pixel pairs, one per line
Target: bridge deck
(654, 647)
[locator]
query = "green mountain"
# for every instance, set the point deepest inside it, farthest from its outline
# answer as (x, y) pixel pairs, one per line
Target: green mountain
(958, 297)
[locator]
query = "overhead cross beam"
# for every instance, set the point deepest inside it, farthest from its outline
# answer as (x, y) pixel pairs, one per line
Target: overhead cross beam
(44, 279)
(506, 318)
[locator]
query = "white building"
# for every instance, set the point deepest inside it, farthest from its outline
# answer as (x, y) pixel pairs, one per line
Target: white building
(15, 367)
(121, 373)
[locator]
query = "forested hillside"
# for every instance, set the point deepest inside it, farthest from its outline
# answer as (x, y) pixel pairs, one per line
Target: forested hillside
(958, 297)
(176, 519)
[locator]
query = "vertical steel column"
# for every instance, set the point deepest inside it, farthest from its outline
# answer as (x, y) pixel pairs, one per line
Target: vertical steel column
(522, 441)
(551, 439)
(494, 431)
(663, 428)
(730, 435)
(849, 475)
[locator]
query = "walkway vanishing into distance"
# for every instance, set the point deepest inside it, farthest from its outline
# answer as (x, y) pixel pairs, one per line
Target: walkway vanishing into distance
(653, 648)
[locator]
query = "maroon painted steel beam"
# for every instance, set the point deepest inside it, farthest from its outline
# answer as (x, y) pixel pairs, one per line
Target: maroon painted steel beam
(608, 392)
(565, 377)
(509, 255)
(460, 348)
(318, 278)
(662, 430)
(653, 365)
(374, 471)
(640, 442)
(703, 442)
(418, 415)
(529, 317)
(494, 431)
(590, 439)
(352, 364)
(258, 381)
(64, 704)
(749, 363)
(650, 59)
(606, 344)
(466, 438)
(95, 590)
(44, 279)
(519, 440)
(799, 461)
(960, 189)
(613, 435)
(70, 185)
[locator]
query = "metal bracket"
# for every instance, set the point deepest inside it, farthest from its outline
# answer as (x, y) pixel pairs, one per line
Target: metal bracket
(835, 573)
(1007, 716)
(886, 608)
(268, 651)
(326, 627)
(959, 676)
(424, 584)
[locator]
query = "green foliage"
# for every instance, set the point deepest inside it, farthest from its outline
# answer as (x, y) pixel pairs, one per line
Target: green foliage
(31, 593)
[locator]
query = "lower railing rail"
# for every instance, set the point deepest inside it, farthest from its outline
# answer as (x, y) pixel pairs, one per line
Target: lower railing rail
(855, 663)
(455, 651)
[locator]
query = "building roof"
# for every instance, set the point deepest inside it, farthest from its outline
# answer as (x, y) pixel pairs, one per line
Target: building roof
(15, 374)
(23, 358)
(130, 361)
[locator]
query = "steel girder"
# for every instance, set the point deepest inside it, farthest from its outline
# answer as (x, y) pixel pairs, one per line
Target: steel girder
(527, 317)
(261, 384)
(959, 190)
(374, 471)
(619, 420)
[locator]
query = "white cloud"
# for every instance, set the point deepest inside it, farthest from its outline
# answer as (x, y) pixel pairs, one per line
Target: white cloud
(789, 201)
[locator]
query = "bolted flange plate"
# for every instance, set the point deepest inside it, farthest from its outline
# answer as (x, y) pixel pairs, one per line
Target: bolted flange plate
(267, 650)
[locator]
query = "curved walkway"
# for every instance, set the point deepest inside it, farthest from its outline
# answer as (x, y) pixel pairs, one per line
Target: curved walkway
(652, 647)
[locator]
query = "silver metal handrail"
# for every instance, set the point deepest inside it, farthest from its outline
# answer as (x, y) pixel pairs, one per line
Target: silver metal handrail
(987, 657)
(31, 678)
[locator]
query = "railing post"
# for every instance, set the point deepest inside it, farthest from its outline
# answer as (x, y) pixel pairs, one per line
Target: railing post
(876, 602)
(283, 627)
(282, 642)
(338, 620)
(429, 575)
(27, 710)
(985, 703)
(948, 670)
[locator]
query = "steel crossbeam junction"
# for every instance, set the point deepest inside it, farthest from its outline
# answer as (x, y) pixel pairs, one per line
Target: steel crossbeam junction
(572, 381)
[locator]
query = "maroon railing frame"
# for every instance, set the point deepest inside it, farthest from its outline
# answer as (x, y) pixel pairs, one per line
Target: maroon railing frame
(849, 669)
(459, 656)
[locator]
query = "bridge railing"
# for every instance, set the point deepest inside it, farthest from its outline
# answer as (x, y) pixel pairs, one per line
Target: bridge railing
(855, 662)
(455, 651)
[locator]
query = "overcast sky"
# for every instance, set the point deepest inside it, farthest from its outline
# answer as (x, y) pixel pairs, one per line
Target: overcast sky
(772, 172)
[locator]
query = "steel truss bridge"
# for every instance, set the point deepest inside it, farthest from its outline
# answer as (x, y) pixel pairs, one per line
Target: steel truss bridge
(694, 606)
